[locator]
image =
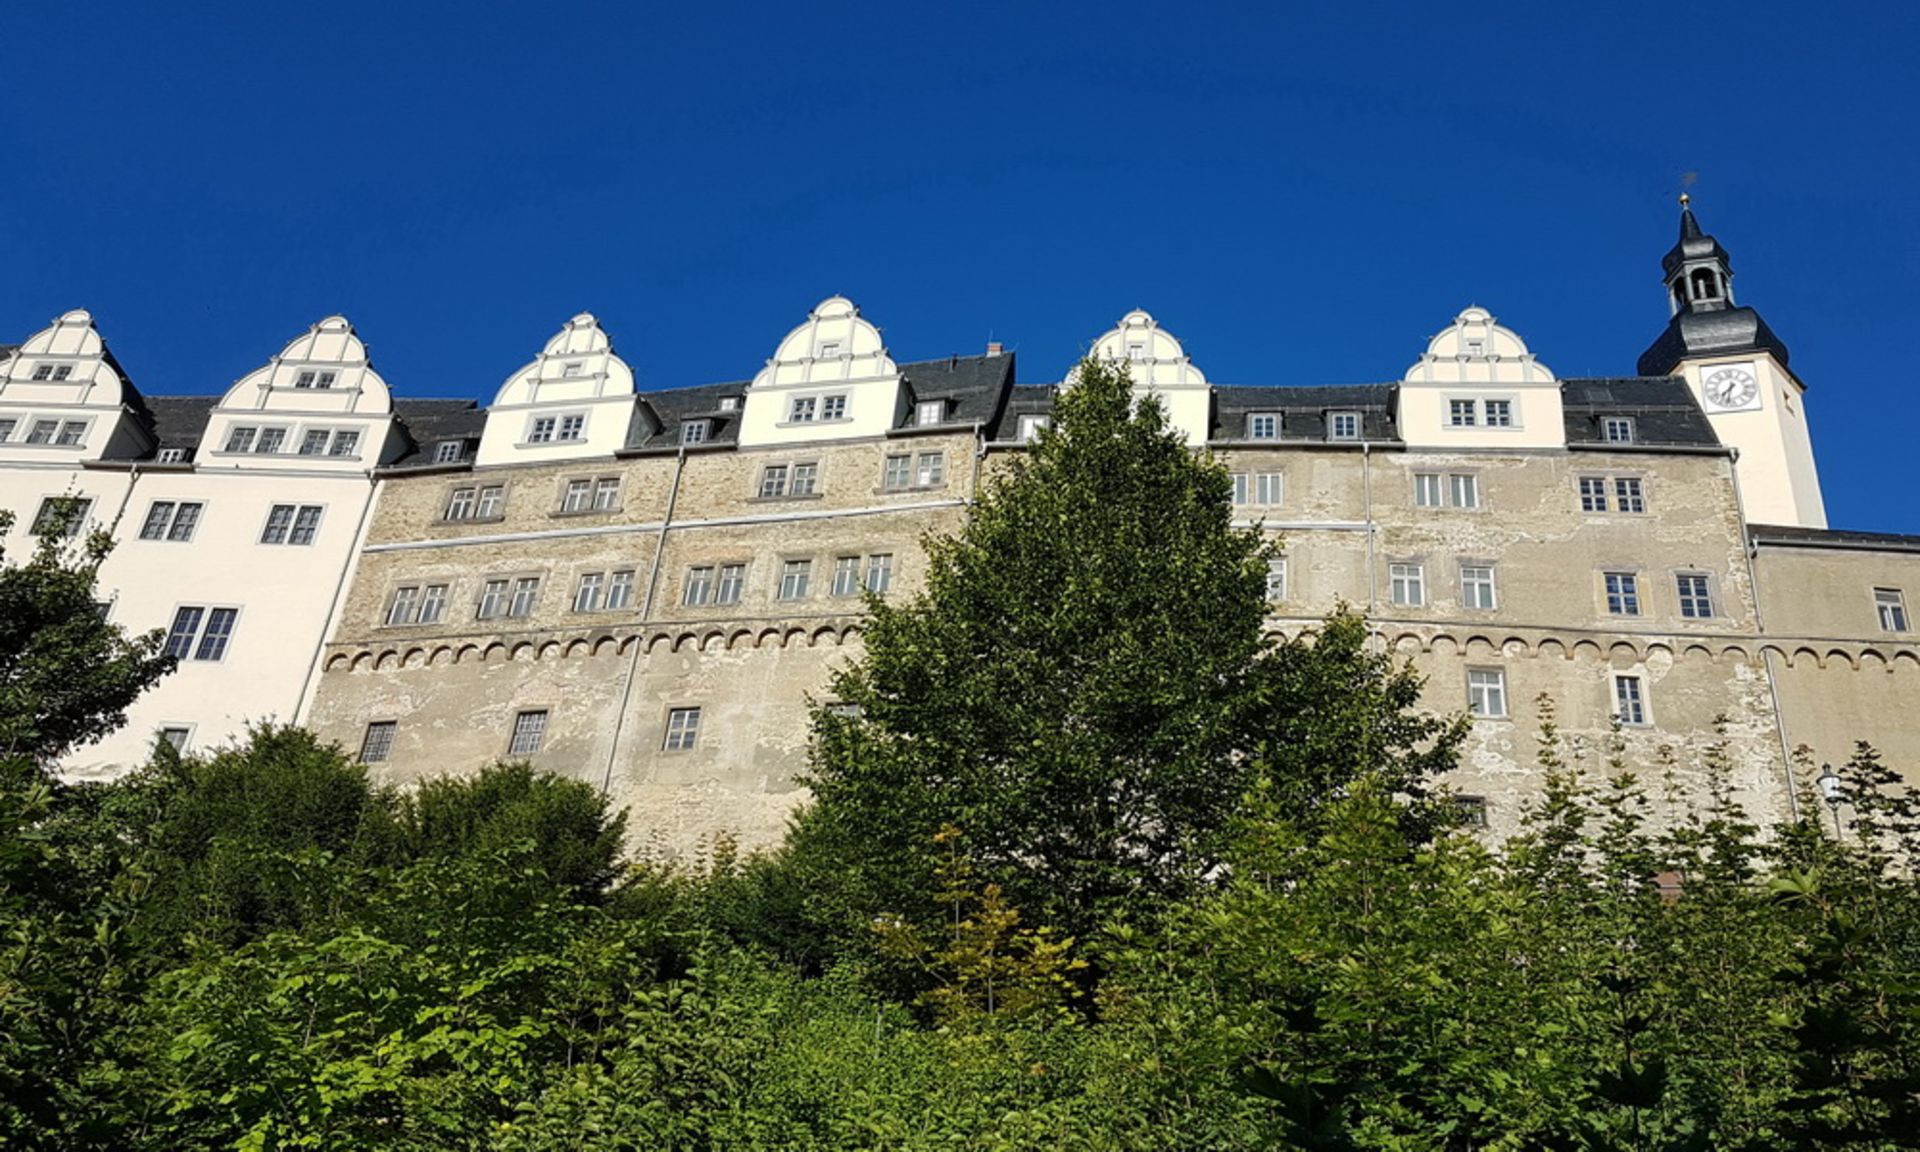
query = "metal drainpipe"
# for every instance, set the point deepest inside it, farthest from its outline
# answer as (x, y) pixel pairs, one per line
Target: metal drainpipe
(646, 617)
(1373, 575)
(1747, 550)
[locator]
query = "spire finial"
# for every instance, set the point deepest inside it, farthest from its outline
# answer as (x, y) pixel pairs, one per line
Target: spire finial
(1685, 200)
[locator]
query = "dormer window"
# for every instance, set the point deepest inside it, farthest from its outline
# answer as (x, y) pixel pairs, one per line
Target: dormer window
(175, 455)
(803, 409)
(930, 412)
(729, 403)
(571, 370)
(1263, 426)
(449, 451)
(829, 350)
(1343, 425)
(695, 431)
(1030, 426)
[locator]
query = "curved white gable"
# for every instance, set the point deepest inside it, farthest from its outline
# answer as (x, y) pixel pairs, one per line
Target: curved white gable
(834, 362)
(1478, 386)
(317, 405)
(324, 369)
(574, 400)
(71, 348)
(1160, 366)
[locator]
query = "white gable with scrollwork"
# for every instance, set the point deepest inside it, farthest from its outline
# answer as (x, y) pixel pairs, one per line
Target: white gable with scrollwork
(575, 400)
(830, 378)
(1479, 386)
(318, 404)
(1159, 366)
(61, 398)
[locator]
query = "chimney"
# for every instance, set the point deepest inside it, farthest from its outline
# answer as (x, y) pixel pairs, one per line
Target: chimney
(994, 348)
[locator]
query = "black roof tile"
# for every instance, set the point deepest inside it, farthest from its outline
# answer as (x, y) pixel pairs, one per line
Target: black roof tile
(1662, 408)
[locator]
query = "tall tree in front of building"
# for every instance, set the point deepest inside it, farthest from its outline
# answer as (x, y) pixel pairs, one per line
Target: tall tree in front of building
(1083, 689)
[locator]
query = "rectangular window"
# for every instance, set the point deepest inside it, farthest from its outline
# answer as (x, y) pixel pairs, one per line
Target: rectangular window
(620, 590)
(1476, 586)
(406, 602)
(433, 604)
(806, 480)
(930, 469)
(572, 371)
(802, 410)
(606, 494)
(529, 732)
(43, 431)
(1623, 594)
(1427, 490)
(729, 403)
(699, 588)
(6, 428)
(578, 496)
(573, 428)
(1242, 488)
(773, 481)
(345, 444)
(176, 737)
(846, 576)
(694, 431)
(1463, 490)
(733, 581)
(880, 573)
(1891, 605)
(1343, 426)
(493, 503)
(1030, 426)
(1460, 413)
(1593, 493)
(586, 597)
(459, 505)
(72, 433)
(833, 408)
(793, 579)
(1409, 584)
(291, 524)
(1617, 429)
(43, 371)
(376, 747)
(1472, 811)
(1487, 692)
(314, 442)
(1628, 495)
(1629, 700)
(167, 520)
(1269, 488)
(526, 590)
(449, 452)
(1499, 413)
(1277, 579)
(930, 412)
(541, 431)
(1696, 603)
(64, 515)
(306, 524)
(270, 442)
(200, 633)
(683, 729)
(897, 474)
(493, 599)
(828, 350)
(1263, 426)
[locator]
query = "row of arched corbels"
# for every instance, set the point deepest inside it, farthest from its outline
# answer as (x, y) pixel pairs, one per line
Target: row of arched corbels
(1637, 651)
(651, 644)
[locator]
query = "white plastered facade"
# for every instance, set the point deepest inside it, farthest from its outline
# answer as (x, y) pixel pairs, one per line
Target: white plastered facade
(834, 362)
(1159, 366)
(1779, 482)
(1477, 363)
(577, 376)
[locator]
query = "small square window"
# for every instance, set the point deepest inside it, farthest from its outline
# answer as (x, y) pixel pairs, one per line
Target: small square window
(683, 729)
(1593, 493)
(578, 496)
(803, 409)
(1463, 490)
(529, 733)
(619, 590)
(606, 494)
(449, 451)
(897, 474)
(345, 444)
(1263, 426)
(773, 481)
(572, 429)
(541, 430)
(1029, 427)
(72, 432)
(1696, 602)
(270, 442)
(1476, 587)
(828, 350)
(43, 431)
(1472, 811)
(794, 575)
(1891, 605)
(806, 480)
(694, 431)
(833, 408)
(240, 439)
(1136, 350)
(1428, 491)
(376, 747)
(314, 443)
(493, 502)
(729, 403)
(1623, 594)
(1343, 426)
(930, 470)
(1499, 413)
(1460, 413)
(1628, 494)
(930, 412)
(303, 380)
(43, 372)
(62, 515)
(1487, 693)
(459, 505)
(167, 455)
(733, 581)
(1408, 584)
(1617, 429)
(572, 370)
(176, 737)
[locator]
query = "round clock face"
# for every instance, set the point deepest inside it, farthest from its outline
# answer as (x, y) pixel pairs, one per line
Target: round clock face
(1730, 388)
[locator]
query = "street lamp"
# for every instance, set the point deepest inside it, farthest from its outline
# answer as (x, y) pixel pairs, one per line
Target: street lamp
(1833, 793)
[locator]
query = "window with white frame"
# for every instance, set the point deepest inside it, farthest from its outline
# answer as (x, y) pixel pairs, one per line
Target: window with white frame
(405, 602)
(1463, 490)
(314, 442)
(62, 515)
(493, 600)
(176, 737)
(880, 573)
(1460, 413)
(620, 590)
(167, 455)
(930, 469)
(846, 576)
(1276, 579)
(794, 575)
(1628, 494)
(683, 729)
(1471, 810)
(578, 496)
(806, 479)
(1476, 587)
(460, 503)
(828, 350)
(1487, 693)
(492, 503)
(1890, 604)
(773, 481)
(586, 595)
(1269, 489)
(1429, 490)
(695, 431)
(200, 633)
(929, 412)
(1408, 584)
(171, 520)
(541, 430)
(1593, 493)
(1499, 413)
(573, 428)
(1630, 700)
(418, 604)
(1263, 426)
(449, 451)
(1343, 426)
(529, 732)
(526, 590)
(1623, 593)
(699, 586)
(897, 474)
(803, 409)
(1242, 487)
(314, 379)
(1696, 599)
(346, 444)
(240, 438)
(7, 425)
(376, 746)
(733, 582)
(294, 524)
(72, 434)
(572, 370)
(43, 431)
(729, 403)
(1617, 429)
(606, 494)
(270, 442)
(833, 407)
(1029, 427)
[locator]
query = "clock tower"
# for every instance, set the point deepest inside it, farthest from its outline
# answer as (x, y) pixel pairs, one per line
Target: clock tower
(1737, 370)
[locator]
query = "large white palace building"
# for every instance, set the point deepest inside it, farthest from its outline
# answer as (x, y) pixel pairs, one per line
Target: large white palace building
(646, 589)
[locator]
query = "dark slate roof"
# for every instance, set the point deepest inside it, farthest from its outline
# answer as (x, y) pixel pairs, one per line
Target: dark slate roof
(178, 421)
(1724, 331)
(1022, 400)
(1662, 407)
(1303, 411)
(429, 422)
(972, 386)
(1832, 538)
(670, 406)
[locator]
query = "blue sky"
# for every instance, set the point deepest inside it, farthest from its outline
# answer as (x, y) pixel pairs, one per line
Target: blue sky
(1302, 194)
